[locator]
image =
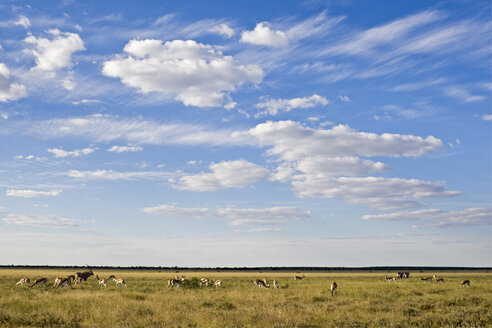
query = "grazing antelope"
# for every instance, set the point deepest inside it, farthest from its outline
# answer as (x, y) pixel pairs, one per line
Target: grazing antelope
(275, 284)
(102, 281)
(40, 281)
(333, 288)
(218, 283)
(84, 275)
(118, 281)
(299, 277)
(440, 280)
(64, 281)
(173, 282)
(426, 279)
(206, 281)
(465, 283)
(261, 283)
(390, 279)
(23, 281)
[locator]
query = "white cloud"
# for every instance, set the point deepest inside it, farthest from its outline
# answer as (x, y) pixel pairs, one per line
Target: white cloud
(69, 84)
(487, 117)
(55, 53)
(375, 192)
(42, 221)
(418, 85)
(194, 162)
(23, 21)
(224, 30)
(227, 174)
(86, 101)
(124, 149)
(273, 216)
(197, 74)
(462, 95)
(439, 218)
(9, 90)
(115, 175)
(345, 99)
(60, 153)
(273, 106)
(27, 193)
(331, 166)
(292, 141)
(263, 35)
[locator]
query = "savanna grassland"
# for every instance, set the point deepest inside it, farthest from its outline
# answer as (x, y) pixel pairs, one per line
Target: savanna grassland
(363, 300)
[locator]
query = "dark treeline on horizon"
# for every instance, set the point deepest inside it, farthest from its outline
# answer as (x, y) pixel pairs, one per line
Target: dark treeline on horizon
(308, 268)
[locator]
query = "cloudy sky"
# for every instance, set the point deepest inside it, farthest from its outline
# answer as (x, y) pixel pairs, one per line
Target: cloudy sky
(322, 133)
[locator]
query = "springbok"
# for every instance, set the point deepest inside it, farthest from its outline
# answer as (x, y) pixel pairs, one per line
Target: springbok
(426, 279)
(64, 281)
(333, 288)
(206, 281)
(40, 281)
(119, 281)
(102, 281)
(261, 283)
(275, 284)
(402, 275)
(23, 281)
(299, 277)
(389, 279)
(465, 283)
(440, 280)
(218, 283)
(173, 282)
(77, 280)
(57, 281)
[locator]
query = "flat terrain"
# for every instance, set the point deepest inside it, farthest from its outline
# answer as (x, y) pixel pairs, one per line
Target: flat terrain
(363, 300)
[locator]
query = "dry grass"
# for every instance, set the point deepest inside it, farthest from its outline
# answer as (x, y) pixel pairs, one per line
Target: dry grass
(363, 300)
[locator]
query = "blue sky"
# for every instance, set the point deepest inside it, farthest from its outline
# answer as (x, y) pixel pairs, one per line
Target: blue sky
(258, 133)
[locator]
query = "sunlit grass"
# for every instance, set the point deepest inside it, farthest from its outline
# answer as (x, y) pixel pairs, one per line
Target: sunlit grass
(363, 300)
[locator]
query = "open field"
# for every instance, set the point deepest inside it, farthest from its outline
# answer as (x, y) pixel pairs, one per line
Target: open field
(363, 300)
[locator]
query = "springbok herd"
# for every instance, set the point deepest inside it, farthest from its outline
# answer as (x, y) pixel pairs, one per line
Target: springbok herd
(79, 277)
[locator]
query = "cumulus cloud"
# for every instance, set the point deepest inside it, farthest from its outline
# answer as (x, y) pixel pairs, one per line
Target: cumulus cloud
(273, 106)
(226, 174)
(125, 149)
(487, 117)
(9, 90)
(224, 30)
(439, 218)
(35, 220)
(60, 153)
(23, 21)
(55, 52)
(375, 192)
(263, 35)
(27, 193)
(115, 175)
(273, 216)
(345, 99)
(330, 166)
(197, 74)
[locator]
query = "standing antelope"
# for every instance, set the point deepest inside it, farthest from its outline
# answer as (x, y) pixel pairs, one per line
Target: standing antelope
(218, 283)
(426, 278)
(333, 288)
(102, 281)
(23, 281)
(84, 275)
(64, 281)
(465, 283)
(275, 284)
(299, 277)
(173, 282)
(206, 281)
(40, 281)
(77, 280)
(261, 283)
(118, 281)
(390, 279)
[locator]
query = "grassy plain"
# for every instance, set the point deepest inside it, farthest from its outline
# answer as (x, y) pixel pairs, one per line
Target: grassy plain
(363, 300)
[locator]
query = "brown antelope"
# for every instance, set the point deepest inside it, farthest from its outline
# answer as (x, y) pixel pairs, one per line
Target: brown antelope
(173, 282)
(402, 275)
(206, 281)
(77, 280)
(275, 284)
(440, 280)
(426, 279)
(40, 281)
(64, 281)
(465, 283)
(218, 283)
(390, 279)
(119, 281)
(23, 281)
(102, 281)
(261, 283)
(333, 288)
(57, 281)
(84, 275)
(299, 277)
